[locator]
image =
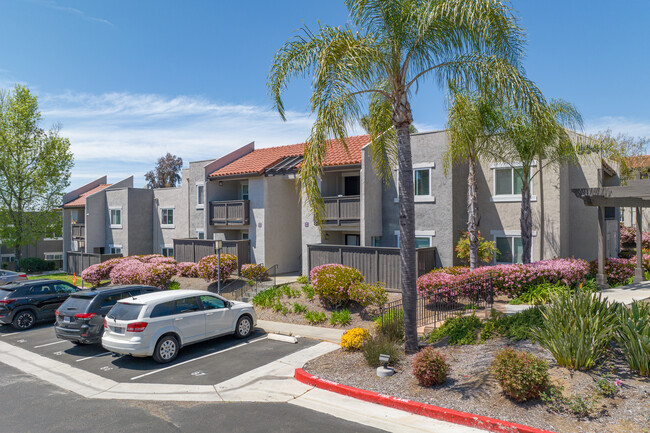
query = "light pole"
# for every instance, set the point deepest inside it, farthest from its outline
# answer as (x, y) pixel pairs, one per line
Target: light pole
(218, 245)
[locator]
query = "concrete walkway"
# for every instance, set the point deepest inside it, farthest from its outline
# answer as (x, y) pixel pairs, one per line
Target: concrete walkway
(326, 334)
(628, 294)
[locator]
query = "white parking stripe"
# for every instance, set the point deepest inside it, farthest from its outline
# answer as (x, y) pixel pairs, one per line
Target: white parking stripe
(50, 344)
(200, 357)
(94, 356)
(7, 335)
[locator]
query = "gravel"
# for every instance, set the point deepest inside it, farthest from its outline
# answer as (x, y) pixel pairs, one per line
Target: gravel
(471, 388)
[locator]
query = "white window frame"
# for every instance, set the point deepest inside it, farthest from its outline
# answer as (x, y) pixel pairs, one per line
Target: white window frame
(200, 231)
(511, 234)
(110, 217)
(419, 198)
(509, 198)
(166, 247)
(200, 195)
(56, 255)
(426, 234)
(167, 208)
(248, 191)
(112, 249)
(11, 258)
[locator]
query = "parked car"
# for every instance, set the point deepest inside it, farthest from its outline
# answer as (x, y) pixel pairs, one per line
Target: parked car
(10, 277)
(25, 303)
(159, 324)
(80, 318)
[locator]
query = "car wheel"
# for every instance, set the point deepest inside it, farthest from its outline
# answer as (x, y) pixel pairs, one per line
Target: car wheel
(78, 343)
(24, 320)
(244, 327)
(166, 349)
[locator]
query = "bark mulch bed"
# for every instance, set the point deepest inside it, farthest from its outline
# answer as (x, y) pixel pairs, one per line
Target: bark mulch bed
(471, 388)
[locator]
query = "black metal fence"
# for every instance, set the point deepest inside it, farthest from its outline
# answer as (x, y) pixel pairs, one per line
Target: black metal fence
(474, 293)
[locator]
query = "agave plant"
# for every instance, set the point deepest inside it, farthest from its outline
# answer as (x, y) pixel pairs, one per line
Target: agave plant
(576, 328)
(633, 334)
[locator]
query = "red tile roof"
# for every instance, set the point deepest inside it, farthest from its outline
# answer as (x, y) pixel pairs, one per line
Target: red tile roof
(260, 159)
(81, 200)
(642, 161)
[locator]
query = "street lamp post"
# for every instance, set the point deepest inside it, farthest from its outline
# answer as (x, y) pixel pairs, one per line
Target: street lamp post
(218, 245)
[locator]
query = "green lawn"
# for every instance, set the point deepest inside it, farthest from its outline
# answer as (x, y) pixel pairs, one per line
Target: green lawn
(63, 277)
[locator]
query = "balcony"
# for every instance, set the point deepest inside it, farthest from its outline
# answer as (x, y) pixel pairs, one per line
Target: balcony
(342, 210)
(230, 213)
(78, 231)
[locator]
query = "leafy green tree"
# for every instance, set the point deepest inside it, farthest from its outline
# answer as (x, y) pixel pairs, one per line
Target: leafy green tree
(365, 124)
(374, 65)
(486, 249)
(166, 173)
(34, 171)
(471, 123)
(531, 140)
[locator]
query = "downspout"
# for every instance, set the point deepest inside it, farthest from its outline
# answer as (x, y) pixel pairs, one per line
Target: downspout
(188, 208)
(542, 222)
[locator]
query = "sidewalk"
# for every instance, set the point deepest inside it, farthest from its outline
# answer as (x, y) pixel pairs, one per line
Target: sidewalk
(326, 334)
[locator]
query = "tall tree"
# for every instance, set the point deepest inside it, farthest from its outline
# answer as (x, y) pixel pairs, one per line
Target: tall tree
(471, 123)
(530, 141)
(374, 66)
(34, 171)
(365, 124)
(167, 172)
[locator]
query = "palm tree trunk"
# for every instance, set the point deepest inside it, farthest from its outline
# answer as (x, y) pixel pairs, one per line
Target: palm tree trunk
(472, 215)
(402, 118)
(526, 222)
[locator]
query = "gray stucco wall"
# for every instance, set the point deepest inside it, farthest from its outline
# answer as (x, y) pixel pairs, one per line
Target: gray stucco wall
(117, 199)
(282, 224)
(257, 220)
(140, 219)
(371, 203)
(168, 198)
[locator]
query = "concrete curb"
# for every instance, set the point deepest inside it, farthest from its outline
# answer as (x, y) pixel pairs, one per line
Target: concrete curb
(428, 410)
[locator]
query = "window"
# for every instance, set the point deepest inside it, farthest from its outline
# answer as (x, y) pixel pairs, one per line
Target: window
(352, 185)
(8, 258)
(200, 234)
(167, 217)
(422, 241)
(353, 240)
(187, 305)
(111, 300)
(115, 249)
(53, 256)
(41, 290)
(244, 191)
(199, 196)
(507, 184)
(116, 218)
(376, 241)
(64, 288)
(125, 311)
(164, 309)
(422, 181)
(510, 249)
(211, 303)
(610, 213)
(244, 235)
(167, 251)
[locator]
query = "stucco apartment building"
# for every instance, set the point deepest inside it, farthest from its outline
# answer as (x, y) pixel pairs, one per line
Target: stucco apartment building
(640, 169)
(253, 194)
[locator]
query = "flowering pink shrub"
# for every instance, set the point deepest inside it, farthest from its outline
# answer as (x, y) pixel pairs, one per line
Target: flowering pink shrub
(94, 274)
(188, 269)
(618, 270)
(510, 280)
(133, 270)
(368, 294)
(628, 237)
(332, 282)
(254, 272)
(208, 267)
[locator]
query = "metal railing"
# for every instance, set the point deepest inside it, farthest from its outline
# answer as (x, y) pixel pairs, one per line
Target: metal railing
(475, 293)
(78, 231)
(245, 285)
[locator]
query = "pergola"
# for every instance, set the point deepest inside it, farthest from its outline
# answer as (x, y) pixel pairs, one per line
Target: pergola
(637, 195)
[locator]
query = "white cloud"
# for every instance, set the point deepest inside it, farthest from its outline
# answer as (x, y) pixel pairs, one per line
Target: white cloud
(53, 5)
(619, 124)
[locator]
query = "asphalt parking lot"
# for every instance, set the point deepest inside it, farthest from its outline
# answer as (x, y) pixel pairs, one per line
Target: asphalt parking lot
(205, 363)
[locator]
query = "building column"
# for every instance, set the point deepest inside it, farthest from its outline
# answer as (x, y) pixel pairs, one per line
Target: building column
(601, 277)
(638, 272)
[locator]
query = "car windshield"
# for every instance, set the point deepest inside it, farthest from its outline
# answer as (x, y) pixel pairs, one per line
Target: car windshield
(76, 303)
(122, 311)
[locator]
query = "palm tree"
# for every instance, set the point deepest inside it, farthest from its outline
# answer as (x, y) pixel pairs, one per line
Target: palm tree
(375, 66)
(365, 124)
(471, 123)
(530, 141)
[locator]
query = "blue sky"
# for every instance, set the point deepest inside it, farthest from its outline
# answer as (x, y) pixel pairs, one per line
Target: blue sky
(129, 81)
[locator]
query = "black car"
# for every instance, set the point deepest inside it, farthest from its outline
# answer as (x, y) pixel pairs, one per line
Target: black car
(24, 303)
(81, 318)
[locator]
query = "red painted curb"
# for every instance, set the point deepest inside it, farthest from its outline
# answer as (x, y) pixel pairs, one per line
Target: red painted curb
(429, 410)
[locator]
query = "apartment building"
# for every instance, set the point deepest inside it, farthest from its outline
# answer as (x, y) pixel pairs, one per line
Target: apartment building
(640, 169)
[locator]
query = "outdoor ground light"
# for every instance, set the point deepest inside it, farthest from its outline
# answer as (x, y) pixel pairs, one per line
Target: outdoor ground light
(385, 371)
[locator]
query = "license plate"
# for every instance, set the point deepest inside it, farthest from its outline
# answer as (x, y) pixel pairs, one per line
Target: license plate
(118, 330)
(66, 319)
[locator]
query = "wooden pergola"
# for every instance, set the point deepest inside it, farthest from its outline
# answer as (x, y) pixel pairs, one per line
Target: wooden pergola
(636, 195)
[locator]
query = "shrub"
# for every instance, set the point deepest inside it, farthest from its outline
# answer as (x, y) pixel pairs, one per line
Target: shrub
(303, 279)
(575, 404)
(607, 388)
(618, 271)
(188, 269)
(332, 282)
(486, 249)
(628, 237)
(391, 324)
(95, 274)
(368, 294)
(299, 308)
(517, 327)
(314, 318)
(430, 367)
(460, 330)
(522, 376)
(267, 298)
(375, 346)
(154, 272)
(36, 264)
(354, 338)
(540, 294)
(254, 272)
(287, 291)
(633, 335)
(208, 267)
(341, 317)
(174, 285)
(576, 328)
(309, 292)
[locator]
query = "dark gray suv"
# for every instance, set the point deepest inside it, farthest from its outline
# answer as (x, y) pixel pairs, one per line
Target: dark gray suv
(80, 319)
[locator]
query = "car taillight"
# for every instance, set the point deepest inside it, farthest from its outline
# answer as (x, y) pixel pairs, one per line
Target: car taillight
(23, 275)
(56, 313)
(84, 315)
(136, 327)
(7, 301)
(105, 324)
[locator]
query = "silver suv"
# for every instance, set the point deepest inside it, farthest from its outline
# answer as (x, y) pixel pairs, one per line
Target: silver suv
(159, 324)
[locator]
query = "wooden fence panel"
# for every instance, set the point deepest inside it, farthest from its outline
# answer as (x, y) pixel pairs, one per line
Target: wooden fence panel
(76, 265)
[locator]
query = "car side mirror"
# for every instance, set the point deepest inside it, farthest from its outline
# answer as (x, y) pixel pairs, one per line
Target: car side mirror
(228, 304)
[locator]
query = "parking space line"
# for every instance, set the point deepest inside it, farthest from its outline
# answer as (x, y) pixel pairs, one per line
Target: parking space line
(200, 357)
(12, 333)
(94, 356)
(50, 344)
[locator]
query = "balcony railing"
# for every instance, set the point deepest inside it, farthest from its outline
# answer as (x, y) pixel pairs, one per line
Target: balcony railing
(78, 231)
(343, 210)
(230, 213)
